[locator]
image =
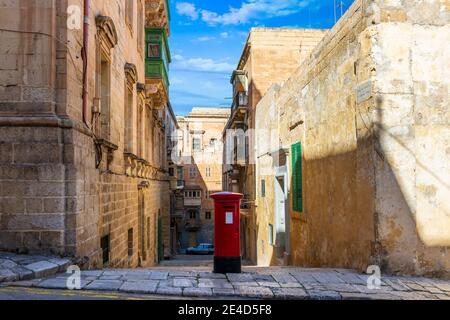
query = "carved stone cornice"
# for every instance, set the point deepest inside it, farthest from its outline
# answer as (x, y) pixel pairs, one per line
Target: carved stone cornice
(131, 74)
(140, 88)
(107, 32)
(156, 91)
(157, 15)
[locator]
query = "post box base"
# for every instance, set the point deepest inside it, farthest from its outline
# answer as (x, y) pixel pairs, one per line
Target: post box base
(227, 265)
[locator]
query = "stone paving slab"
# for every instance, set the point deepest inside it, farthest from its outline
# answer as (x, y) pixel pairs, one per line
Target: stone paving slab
(254, 283)
(145, 286)
(14, 267)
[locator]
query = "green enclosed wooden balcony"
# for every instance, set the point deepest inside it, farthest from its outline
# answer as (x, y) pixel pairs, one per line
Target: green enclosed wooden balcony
(157, 61)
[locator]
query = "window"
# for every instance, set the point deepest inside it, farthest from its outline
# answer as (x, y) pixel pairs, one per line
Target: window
(148, 232)
(192, 215)
(196, 144)
(104, 244)
(140, 129)
(212, 142)
(263, 188)
(192, 172)
(129, 10)
(128, 119)
(171, 172)
(106, 40)
(297, 187)
(208, 172)
(140, 26)
(153, 50)
(180, 173)
(130, 242)
(208, 215)
(271, 234)
(105, 94)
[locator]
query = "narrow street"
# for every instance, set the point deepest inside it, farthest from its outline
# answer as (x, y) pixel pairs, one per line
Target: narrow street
(240, 149)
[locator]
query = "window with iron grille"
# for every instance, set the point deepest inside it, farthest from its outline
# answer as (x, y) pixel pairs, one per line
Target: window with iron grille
(130, 242)
(104, 244)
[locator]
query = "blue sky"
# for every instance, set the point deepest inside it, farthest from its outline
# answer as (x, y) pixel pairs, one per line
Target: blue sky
(208, 36)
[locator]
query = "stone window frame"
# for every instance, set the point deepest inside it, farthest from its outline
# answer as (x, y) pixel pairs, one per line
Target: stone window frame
(141, 121)
(131, 77)
(129, 14)
(106, 40)
(140, 27)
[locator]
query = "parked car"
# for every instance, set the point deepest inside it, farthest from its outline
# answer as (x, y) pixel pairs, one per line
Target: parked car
(203, 248)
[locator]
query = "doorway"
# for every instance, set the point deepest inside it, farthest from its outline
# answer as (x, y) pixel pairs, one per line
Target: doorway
(281, 217)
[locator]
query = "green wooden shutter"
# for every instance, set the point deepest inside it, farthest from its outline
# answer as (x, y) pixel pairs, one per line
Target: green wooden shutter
(297, 188)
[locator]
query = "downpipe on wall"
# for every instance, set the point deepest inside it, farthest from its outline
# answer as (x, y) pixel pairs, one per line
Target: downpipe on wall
(85, 55)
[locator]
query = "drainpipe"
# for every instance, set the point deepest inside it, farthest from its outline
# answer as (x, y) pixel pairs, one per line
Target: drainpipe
(85, 59)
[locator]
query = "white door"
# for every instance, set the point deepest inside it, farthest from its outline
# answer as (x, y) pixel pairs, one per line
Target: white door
(280, 215)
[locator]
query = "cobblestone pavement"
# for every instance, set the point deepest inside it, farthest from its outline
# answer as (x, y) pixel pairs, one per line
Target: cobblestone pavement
(15, 267)
(260, 283)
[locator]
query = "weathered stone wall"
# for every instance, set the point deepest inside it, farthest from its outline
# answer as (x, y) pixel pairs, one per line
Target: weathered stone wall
(370, 108)
(270, 55)
(412, 129)
(52, 196)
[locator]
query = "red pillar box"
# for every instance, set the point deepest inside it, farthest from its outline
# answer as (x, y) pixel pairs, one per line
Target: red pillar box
(227, 246)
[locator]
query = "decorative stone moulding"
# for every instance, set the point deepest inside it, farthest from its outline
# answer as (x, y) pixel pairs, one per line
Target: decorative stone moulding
(106, 31)
(131, 74)
(157, 93)
(107, 148)
(157, 14)
(130, 164)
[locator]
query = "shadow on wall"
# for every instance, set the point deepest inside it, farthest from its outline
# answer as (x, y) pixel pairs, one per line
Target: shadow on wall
(413, 219)
(368, 206)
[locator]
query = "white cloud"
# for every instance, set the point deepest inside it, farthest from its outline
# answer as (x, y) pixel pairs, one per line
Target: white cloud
(204, 39)
(201, 64)
(254, 9)
(187, 9)
(224, 35)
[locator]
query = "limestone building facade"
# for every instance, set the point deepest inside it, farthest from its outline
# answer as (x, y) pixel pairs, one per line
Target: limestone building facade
(83, 170)
(270, 55)
(352, 150)
(200, 172)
